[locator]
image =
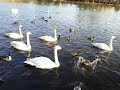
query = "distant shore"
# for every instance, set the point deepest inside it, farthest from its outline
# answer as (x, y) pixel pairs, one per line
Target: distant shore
(89, 2)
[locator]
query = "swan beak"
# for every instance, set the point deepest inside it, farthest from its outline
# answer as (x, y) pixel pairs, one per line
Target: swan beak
(59, 48)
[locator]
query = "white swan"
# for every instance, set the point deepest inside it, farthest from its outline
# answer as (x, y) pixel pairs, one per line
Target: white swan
(21, 45)
(44, 62)
(14, 11)
(105, 46)
(50, 38)
(16, 35)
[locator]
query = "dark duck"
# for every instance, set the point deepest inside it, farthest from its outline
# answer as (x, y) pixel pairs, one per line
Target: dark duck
(6, 57)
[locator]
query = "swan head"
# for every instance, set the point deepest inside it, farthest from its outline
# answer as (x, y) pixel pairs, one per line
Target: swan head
(58, 47)
(20, 27)
(113, 37)
(28, 33)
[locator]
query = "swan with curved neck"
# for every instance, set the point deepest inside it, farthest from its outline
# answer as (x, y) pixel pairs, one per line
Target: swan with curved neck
(104, 46)
(44, 62)
(50, 38)
(21, 45)
(16, 35)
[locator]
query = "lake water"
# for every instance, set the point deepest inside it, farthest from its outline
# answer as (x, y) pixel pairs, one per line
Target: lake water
(99, 21)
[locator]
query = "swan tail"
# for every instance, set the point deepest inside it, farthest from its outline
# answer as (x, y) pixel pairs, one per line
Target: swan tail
(13, 43)
(7, 34)
(30, 63)
(42, 38)
(94, 44)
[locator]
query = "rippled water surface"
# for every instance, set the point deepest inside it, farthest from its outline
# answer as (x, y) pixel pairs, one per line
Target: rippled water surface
(87, 20)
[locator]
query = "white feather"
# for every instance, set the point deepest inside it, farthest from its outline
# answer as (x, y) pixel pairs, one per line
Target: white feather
(49, 38)
(21, 45)
(105, 46)
(15, 35)
(44, 62)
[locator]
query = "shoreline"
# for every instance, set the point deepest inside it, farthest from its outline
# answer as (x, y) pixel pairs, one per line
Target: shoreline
(95, 3)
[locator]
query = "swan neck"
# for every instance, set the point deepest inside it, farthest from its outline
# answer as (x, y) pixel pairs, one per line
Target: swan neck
(28, 41)
(111, 44)
(55, 35)
(20, 31)
(56, 58)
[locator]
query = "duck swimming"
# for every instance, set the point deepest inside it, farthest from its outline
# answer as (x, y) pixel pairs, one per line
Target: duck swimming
(87, 65)
(6, 57)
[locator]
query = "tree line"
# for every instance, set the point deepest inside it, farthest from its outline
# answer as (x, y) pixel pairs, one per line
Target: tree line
(99, 1)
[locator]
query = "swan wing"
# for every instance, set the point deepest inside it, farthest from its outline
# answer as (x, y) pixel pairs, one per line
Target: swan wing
(47, 38)
(14, 35)
(19, 45)
(101, 46)
(41, 62)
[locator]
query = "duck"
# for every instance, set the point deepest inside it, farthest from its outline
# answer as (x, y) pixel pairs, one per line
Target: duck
(76, 55)
(58, 37)
(87, 65)
(33, 21)
(16, 35)
(16, 22)
(71, 30)
(6, 57)
(45, 62)
(21, 45)
(68, 39)
(46, 19)
(104, 46)
(50, 38)
(91, 38)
